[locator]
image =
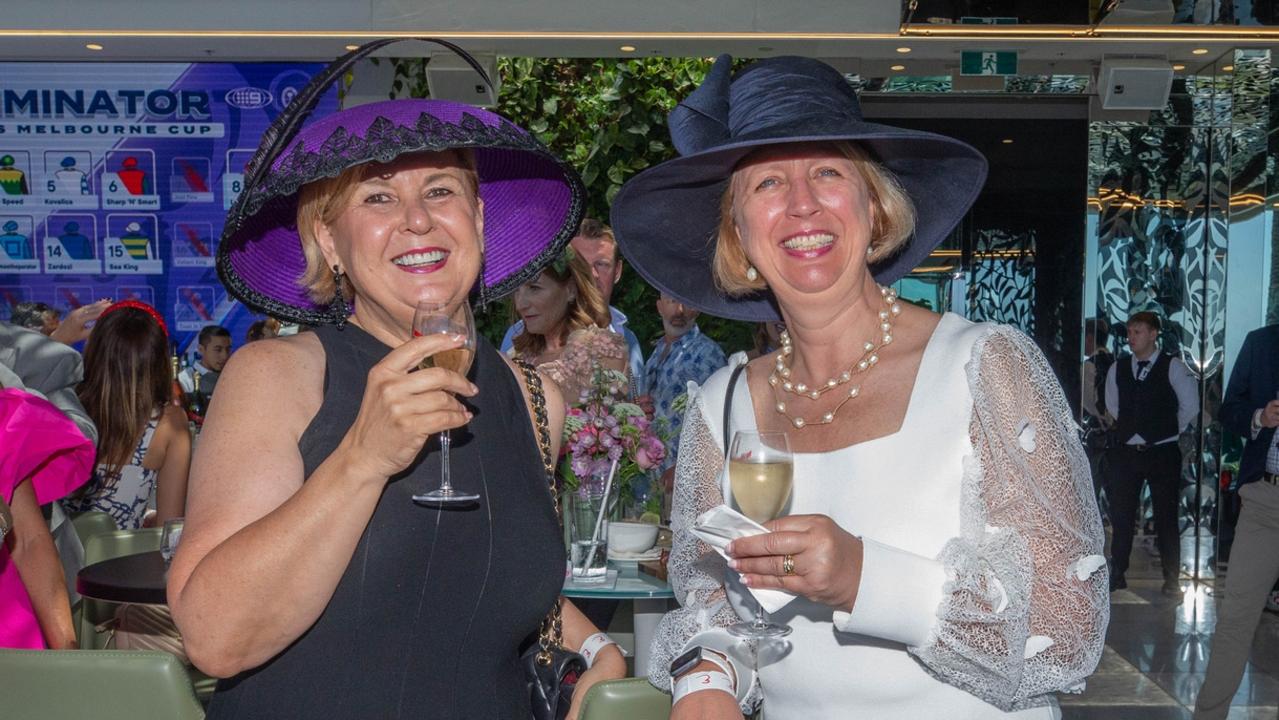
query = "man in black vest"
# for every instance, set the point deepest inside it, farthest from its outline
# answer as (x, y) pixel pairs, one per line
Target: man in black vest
(1250, 408)
(1152, 397)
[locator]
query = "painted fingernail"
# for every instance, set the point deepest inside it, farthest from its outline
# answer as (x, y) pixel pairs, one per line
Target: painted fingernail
(474, 388)
(745, 580)
(734, 564)
(729, 549)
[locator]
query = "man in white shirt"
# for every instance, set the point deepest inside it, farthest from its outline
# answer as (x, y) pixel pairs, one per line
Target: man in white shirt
(214, 344)
(595, 243)
(1153, 397)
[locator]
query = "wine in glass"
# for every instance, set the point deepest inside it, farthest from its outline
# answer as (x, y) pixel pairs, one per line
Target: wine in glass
(759, 473)
(436, 317)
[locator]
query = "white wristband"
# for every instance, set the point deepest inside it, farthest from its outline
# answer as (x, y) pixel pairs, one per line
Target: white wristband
(721, 661)
(592, 645)
(699, 681)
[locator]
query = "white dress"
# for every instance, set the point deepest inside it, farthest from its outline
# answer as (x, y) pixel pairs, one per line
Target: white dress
(983, 587)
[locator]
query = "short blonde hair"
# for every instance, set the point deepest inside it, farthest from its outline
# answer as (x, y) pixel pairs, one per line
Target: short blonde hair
(892, 223)
(323, 201)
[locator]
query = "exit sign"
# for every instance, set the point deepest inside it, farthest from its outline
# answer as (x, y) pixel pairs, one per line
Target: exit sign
(988, 62)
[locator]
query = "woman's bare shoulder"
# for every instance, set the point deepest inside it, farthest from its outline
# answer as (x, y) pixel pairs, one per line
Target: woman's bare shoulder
(285, 374)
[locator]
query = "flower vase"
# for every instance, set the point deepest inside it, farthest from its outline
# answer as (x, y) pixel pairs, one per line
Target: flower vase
(587, 512)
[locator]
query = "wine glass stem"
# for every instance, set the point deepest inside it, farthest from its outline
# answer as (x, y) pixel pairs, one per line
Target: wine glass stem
(446, 483)
(761, 616)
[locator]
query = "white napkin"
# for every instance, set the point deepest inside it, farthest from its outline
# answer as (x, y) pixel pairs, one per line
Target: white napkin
(721, 525)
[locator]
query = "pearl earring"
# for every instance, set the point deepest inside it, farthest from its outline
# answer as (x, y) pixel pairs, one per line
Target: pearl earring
(752, 274)
(870, 250)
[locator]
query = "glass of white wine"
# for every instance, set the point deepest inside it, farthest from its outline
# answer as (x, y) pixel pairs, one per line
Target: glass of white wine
(759, 471)
(436, 317)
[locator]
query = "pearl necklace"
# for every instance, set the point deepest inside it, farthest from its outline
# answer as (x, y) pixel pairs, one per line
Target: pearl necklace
(780, 377)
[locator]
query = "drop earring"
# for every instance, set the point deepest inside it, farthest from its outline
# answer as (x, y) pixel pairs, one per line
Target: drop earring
(751, 273)
(338, 309)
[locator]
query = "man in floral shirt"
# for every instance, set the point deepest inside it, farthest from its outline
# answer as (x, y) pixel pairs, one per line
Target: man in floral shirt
(683, 354)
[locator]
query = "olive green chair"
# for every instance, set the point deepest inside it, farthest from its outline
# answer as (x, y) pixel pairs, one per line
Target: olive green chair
(90, 523)
(98, 684)
(631, 698)
(105, 546)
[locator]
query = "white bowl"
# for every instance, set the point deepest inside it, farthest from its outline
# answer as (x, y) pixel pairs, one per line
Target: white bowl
(631, 537)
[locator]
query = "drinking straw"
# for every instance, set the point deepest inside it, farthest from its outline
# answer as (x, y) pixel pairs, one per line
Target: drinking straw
(599, 521)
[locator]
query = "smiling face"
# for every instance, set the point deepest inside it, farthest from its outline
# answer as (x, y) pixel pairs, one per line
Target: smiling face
(803, 215)
(409, 229)
(543, 304)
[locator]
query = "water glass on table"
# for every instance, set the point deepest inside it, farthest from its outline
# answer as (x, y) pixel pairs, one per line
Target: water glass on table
(169, 538)
(588, 510)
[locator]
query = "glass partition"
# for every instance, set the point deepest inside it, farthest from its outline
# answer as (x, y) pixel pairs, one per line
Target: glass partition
(1177, 205)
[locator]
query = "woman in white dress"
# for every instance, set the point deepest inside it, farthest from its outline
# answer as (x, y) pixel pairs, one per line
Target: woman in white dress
(941, 545)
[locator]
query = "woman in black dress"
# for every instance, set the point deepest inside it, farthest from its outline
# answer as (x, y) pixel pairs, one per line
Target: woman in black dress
(307, 575)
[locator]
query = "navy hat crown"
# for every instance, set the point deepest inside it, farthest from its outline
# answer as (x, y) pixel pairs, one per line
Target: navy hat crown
(778, 97)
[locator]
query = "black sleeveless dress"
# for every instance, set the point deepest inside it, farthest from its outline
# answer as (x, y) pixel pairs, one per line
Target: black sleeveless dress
(428, 618)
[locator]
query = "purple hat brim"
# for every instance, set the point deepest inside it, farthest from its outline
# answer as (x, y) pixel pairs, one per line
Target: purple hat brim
(533, 201)
(667, 218)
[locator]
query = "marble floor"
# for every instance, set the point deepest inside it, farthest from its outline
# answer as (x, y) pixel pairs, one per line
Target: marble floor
(1157, 651)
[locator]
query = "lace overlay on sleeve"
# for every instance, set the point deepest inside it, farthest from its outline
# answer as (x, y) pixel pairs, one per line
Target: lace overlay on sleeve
(1025, 609)
(696, 572)
(583, 350)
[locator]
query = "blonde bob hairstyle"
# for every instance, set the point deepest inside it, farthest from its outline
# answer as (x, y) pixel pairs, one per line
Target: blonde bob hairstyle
(323, 202)
(587, 308)
(892, 223)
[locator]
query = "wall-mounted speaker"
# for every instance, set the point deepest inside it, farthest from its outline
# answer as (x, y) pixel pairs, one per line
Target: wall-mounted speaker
(1134, 83)
(449, 77)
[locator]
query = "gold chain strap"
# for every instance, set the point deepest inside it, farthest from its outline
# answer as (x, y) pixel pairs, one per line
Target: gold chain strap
(551, 633)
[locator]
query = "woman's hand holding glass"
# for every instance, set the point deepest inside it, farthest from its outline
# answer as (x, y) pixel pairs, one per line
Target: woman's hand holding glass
(827, 559)
(404, 406)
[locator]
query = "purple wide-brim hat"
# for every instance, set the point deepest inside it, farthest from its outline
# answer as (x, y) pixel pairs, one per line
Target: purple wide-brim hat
(666, 219)
(532, 199)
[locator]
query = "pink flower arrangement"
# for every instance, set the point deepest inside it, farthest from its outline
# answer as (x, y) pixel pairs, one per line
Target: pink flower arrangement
(604, 428)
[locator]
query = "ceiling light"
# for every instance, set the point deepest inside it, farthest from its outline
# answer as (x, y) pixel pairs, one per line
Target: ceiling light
(352, 47)
(627, 48)
(903, 50)
(1199, 51)
(1178, 67)
(93, 46)
(1007, 141)
(1227, 68)
(897, 68)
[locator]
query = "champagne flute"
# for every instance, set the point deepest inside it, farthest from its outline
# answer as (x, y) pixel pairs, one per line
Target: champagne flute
(759, 472)
(436, 317)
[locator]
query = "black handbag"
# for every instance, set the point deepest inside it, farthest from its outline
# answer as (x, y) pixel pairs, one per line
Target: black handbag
(550, 670)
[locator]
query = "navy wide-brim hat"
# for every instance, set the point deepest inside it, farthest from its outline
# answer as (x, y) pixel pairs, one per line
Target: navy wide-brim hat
(666, 219)
(533, 200)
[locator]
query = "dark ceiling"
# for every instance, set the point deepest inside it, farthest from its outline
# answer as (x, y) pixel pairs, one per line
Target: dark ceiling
(1043, 171)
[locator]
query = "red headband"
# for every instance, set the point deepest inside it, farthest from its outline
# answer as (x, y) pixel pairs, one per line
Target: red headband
(138, 305)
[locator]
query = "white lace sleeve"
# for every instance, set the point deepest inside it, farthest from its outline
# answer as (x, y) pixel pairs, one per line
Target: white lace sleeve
(696, 572)
(1025, 605)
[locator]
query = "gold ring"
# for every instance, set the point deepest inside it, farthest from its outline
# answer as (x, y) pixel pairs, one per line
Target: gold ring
(788, 564)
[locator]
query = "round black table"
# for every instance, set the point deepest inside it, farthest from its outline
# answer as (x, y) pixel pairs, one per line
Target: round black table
(128, 579)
